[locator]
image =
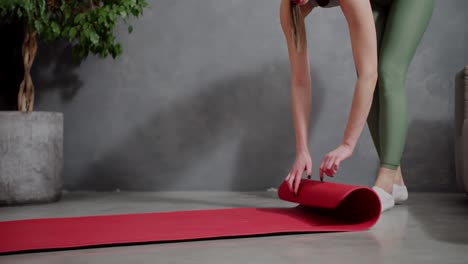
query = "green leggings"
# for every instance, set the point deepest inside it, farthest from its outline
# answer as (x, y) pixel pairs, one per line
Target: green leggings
(400, 26)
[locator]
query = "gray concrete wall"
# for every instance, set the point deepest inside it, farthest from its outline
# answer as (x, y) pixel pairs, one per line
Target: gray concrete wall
(200, 100)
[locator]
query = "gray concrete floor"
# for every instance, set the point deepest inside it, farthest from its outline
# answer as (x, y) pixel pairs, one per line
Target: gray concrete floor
(430, 228)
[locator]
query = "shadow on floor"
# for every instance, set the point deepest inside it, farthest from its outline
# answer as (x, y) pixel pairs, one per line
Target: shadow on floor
(436, 217)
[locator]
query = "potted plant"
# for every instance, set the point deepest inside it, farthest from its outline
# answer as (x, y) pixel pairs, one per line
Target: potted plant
(31, 142)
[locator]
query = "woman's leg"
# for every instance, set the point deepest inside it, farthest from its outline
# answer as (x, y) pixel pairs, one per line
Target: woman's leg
(405, 26)
(380, 16)
(385, 176)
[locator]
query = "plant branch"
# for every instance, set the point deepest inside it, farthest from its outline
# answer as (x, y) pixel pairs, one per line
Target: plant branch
(26, 90)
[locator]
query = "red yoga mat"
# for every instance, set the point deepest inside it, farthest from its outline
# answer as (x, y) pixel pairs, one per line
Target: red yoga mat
(323, 207)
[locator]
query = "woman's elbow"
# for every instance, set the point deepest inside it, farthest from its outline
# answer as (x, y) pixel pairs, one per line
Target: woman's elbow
(369, 77)
(300, 85)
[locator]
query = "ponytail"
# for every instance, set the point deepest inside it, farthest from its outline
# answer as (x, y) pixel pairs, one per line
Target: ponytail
(298, 26)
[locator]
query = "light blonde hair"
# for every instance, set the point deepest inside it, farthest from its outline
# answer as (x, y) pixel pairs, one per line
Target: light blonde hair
(297, 26)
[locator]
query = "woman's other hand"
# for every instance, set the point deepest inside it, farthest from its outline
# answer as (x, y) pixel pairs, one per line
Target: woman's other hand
(331, 162)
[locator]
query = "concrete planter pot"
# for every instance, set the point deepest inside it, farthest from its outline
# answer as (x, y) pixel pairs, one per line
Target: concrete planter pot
(31, 157)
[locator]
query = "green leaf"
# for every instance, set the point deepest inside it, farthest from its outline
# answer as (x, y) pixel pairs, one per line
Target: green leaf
(130, 29)
(78, 18)
(94, 38)
(38, 25)
(85, 33)
(55, 28)
(123, 14)
(72, 33)
(66, 12)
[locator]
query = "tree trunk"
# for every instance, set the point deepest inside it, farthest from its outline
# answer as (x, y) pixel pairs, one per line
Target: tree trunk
(26, 91)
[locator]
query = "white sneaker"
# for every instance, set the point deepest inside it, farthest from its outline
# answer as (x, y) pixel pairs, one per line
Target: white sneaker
(386, 199)
(400, 193)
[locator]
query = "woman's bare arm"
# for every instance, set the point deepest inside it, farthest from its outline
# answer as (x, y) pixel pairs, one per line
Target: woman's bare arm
(363, 36)
(300, 95)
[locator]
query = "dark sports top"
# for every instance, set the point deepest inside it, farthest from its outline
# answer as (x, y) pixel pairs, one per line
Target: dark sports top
(333, 3)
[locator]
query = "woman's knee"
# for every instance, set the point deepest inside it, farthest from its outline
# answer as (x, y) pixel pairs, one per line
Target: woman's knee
(391, 78)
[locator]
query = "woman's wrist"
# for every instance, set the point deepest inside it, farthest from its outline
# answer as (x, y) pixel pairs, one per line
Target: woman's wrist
(349, 145)
(302, 150)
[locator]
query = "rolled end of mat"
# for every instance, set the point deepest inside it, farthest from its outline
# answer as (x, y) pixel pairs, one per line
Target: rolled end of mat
(356, 206)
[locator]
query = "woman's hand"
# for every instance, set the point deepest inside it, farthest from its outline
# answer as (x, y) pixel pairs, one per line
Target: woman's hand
(302, 163)
(331, 162)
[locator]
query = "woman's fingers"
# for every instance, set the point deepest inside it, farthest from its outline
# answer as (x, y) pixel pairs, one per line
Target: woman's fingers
(297, 180)
(336, 166)
(334, 169)
(292, 180)
(330, 161)
(322, 165)
(326, 165)
(309, 169)
(289, 181)
(329, 166)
